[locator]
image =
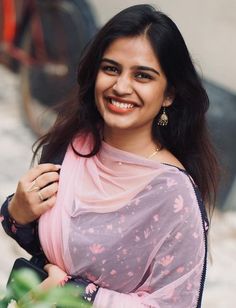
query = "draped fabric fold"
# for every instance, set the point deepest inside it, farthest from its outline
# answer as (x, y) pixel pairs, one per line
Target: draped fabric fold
(123, 222)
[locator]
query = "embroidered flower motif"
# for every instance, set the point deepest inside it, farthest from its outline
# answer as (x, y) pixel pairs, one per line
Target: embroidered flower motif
(178, 235)
(138, 259)
(180, 269)
(164, 273)
(91, 230)
(195, 235)
(156, 217)
(137, 238)
(124, 251)
(165, 261)
(146, 233)
(96, 248)
(130, 274)
(109, 227)
(13, 229)
(179, 204)
(90, 288)
(170, 182)
(122, 219)
(189, 286)
(113, 272)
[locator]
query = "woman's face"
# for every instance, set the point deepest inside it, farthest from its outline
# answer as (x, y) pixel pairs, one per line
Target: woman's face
(130, 85)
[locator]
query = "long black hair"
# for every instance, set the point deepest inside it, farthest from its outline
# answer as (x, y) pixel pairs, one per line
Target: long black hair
(186, 135)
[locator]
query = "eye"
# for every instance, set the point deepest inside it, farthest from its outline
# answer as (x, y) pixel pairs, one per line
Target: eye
(143, 76)
(112, 70)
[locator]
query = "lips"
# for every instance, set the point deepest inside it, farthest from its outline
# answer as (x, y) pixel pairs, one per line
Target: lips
(120, 105)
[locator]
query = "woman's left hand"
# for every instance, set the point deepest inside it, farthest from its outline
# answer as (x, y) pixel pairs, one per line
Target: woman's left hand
(55, 277)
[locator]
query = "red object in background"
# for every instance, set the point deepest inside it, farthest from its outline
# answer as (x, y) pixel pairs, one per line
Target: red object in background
(9, 20)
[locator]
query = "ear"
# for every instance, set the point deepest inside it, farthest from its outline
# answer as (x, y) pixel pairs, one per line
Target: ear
(168, 101)
(169, 98)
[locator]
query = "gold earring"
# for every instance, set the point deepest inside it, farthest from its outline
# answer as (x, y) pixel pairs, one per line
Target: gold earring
(163, 120)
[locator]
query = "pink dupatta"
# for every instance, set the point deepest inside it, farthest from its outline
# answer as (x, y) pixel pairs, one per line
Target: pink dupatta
(131, 225)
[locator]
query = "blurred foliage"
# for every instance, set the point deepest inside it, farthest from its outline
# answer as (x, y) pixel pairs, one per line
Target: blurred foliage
(23, 292)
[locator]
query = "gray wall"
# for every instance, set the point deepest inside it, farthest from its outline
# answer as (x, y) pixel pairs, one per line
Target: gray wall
(208, 27)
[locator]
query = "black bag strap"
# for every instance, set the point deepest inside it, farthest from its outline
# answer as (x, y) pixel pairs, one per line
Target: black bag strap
(57, 158)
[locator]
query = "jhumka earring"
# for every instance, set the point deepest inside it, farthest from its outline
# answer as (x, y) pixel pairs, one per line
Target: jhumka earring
(163, 120)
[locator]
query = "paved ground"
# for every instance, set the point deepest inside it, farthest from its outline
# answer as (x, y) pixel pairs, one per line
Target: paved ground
(15, 143)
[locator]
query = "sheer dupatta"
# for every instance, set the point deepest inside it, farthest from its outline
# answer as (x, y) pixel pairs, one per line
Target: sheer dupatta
(129, 224)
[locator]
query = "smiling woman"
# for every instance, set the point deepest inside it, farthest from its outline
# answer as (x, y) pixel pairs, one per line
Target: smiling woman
(130, 88)
(127, 221)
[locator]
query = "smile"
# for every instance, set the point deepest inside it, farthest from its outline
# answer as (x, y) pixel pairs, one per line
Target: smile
(121, 105)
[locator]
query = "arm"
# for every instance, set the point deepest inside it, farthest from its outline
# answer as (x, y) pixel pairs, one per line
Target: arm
(25, 235)
(57, 277)
(20, 212)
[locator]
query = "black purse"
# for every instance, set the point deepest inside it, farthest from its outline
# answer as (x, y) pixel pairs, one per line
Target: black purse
(22, 263)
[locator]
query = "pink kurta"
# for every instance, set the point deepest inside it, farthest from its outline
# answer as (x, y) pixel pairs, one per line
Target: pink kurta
(131, 225)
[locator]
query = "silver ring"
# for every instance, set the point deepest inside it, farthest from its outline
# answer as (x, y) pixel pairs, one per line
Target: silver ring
(34, 186)
(40, 196)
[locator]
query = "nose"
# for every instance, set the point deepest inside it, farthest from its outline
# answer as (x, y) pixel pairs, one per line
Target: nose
(122, 86)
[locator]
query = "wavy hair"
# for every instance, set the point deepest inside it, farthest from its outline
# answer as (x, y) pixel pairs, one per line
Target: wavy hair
(186, 135)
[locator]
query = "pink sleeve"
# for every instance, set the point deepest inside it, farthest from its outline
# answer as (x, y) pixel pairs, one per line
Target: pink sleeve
(176, 275)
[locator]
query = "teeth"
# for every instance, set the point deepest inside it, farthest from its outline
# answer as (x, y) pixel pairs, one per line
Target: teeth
(121, 105)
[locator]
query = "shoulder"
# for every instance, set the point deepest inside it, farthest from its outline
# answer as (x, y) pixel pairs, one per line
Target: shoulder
(177, 190)
(166, 157)
(181, 200)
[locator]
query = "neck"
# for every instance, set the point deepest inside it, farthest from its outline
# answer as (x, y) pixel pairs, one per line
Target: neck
(138, 142)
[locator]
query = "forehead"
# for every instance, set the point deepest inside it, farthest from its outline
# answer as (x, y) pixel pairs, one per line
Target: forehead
(133, 50)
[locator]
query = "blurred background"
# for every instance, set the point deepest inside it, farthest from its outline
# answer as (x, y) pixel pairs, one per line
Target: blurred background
(40, 43)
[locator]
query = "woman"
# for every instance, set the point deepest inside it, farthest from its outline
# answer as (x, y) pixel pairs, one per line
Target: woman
(127, 219)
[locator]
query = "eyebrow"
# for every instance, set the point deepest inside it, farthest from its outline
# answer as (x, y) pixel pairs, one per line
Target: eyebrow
(138, 67)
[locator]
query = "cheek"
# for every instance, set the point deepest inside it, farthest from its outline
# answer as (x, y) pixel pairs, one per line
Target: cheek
(101, 82)
(152, 96)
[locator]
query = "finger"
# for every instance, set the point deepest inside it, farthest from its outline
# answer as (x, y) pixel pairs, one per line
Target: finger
(35, 172)
(49, 191)
(47, 178)
(39, 207)
(47, 267)
(46, 205)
